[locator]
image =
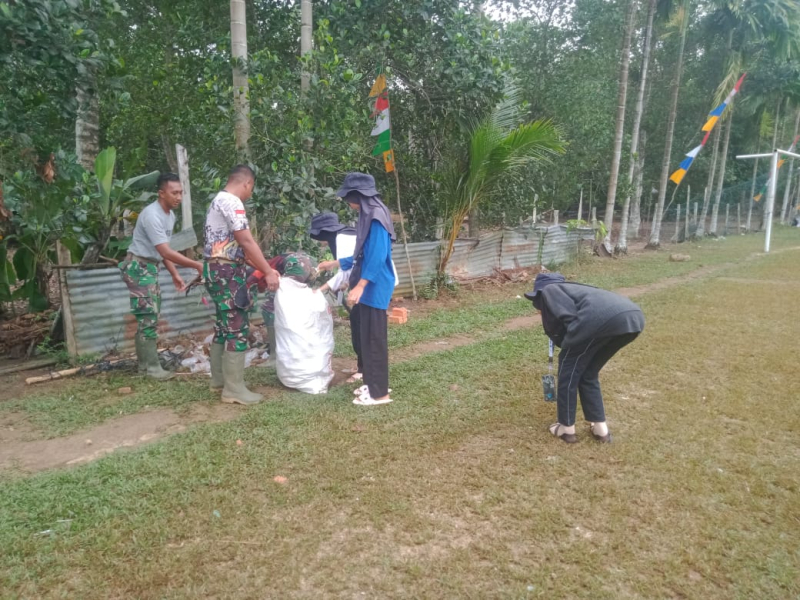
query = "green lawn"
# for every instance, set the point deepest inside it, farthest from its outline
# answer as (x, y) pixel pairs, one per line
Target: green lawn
(456, 489)
(72, 405)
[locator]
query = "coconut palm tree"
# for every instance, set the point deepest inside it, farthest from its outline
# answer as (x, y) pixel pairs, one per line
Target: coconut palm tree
(306, 23)
(622, 94)
(498, 148)
(241, 89)
(681, 19)
(759, 27)
(788, 190)
(622, 241)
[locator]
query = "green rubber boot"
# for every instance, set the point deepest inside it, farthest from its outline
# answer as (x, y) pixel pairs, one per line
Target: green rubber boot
(217, 376)
(234, 390)
(149, 356)
(140, 355)
(273, 352)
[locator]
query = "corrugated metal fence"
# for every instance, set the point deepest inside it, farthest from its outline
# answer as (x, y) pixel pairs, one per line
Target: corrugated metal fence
(100, 304)
(101, 318)
(507, 249)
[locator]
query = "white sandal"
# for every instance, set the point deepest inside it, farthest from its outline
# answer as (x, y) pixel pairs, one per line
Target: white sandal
(364, 389)
(367, 400)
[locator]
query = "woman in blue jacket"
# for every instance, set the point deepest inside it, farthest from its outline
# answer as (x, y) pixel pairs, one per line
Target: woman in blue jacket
(372, 282)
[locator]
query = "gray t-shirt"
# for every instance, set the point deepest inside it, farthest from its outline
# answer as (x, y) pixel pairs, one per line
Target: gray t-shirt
(153, 227)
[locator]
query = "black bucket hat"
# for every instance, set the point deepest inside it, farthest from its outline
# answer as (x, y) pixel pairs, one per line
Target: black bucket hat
(325, 221)
(542, 281)
(363, 183)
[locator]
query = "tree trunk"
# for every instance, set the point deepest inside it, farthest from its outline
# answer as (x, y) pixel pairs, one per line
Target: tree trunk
(620, 126)
(721, 178)
(306, 24)
(715, 211)
(787, 192)
(655, 232)
(763, 205)
(752, 189)
(473, 223)
(622, 242)
(241, 90)
(701, 223)
(87, 121)
(635, 221)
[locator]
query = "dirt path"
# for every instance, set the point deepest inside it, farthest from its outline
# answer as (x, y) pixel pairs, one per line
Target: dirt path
(142, 428)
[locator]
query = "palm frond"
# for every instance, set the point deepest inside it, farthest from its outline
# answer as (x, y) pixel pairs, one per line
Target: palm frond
(733, 70)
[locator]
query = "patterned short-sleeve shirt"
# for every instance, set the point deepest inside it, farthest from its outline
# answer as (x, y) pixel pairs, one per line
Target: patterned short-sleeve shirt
(225, 215)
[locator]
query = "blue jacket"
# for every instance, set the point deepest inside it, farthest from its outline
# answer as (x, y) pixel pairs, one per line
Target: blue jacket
(376, 267)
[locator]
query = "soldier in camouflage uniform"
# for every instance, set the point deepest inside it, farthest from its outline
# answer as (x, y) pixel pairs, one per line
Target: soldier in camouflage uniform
(225, 283)
(229, 246)
(141, 277)
(294, 265)
(150, 247)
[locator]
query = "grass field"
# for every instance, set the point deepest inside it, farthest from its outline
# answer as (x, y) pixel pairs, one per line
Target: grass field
(456, 489)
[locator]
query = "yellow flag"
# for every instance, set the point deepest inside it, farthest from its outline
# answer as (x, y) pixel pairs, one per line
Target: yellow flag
(710, 124)
(388, 160)
(678, 175)
(378, 86)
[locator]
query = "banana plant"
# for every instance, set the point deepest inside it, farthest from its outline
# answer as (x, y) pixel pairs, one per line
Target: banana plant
(40, 214)
(110, 200)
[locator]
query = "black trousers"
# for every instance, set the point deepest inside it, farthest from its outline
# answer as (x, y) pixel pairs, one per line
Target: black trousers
(373, 327)
(579, 371)
(355, 334)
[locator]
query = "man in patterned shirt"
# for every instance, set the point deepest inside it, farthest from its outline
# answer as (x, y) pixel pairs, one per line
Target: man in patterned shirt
(229, 246)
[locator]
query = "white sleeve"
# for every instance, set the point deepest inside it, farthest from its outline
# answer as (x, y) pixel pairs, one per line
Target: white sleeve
(337, 280)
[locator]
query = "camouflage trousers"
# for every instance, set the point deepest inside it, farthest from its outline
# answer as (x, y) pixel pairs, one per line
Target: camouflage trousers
(294, 265)
(227, 285)
(142, 281)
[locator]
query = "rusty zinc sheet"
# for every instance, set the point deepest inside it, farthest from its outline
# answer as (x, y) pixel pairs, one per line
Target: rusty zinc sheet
(101, 310)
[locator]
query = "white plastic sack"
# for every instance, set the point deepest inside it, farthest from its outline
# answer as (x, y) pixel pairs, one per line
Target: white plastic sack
(304, 338)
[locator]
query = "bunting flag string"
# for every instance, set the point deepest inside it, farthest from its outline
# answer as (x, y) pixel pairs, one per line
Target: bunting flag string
(713, 117)
(763, 190)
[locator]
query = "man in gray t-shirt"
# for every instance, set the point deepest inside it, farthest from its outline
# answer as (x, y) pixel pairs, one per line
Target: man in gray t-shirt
(150, 247)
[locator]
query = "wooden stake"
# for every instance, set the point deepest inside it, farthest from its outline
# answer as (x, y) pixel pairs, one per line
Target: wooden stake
(403, 230)
(686, 227)
(739, 218)
(727, 211)
(65, 258)
(186, 199)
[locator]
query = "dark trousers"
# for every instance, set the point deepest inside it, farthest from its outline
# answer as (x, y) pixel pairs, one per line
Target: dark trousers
(355, 335)
(579, 371)
(374, 349)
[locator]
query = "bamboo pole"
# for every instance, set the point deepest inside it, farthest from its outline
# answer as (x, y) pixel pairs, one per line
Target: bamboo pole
(403, 230)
